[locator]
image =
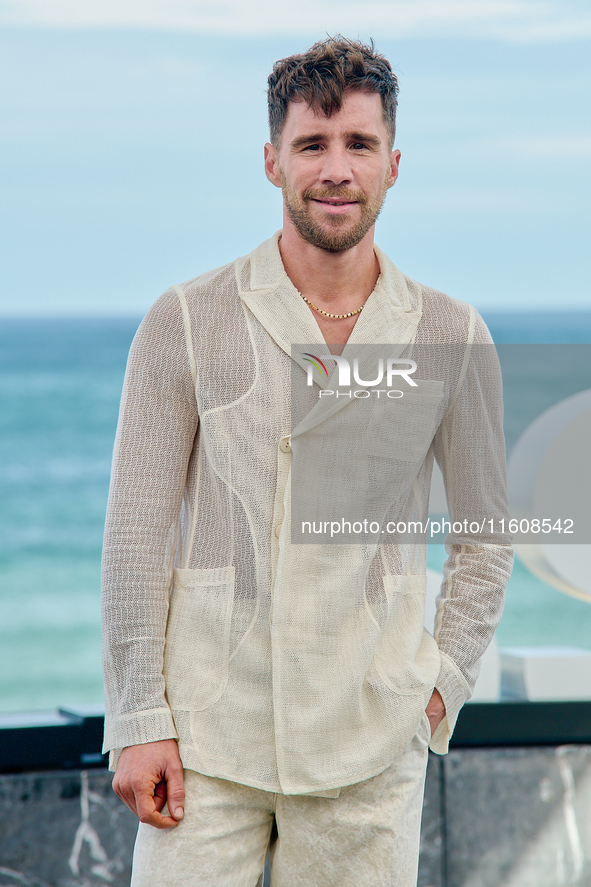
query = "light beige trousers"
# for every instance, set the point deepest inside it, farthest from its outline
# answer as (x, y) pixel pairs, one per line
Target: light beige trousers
(367, 837)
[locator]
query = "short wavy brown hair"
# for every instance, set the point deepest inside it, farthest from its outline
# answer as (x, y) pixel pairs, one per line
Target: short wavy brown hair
(321, 75)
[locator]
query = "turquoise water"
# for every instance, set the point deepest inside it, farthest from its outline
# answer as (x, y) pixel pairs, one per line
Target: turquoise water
(60, 383)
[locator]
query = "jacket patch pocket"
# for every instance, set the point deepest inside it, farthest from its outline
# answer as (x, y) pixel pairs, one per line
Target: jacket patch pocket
(402, 430)
(198, 637)
(406, 656)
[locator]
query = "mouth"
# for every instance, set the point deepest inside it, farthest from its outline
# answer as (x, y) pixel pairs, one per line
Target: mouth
(334, 201)
(334, 205)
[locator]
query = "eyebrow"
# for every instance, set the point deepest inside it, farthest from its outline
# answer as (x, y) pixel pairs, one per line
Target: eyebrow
(366, 137)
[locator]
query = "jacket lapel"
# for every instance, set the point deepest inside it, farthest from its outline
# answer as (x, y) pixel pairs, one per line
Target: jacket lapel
(391, 316)
(275, 302)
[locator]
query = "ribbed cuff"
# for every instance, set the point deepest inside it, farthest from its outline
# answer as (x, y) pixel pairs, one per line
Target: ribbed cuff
(137, 728)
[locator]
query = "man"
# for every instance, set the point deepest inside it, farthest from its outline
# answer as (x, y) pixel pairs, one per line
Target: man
(295, 684)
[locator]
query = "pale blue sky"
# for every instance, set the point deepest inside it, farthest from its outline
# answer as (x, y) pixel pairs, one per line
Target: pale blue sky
(132, 133)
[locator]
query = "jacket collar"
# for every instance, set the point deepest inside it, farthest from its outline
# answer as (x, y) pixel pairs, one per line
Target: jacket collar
(390, 316)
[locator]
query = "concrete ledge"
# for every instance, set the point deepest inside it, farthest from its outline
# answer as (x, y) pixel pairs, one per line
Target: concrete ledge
(493, 817)
(64, 830)
(517, 817)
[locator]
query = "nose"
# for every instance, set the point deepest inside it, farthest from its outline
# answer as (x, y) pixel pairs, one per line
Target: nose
(336, 167)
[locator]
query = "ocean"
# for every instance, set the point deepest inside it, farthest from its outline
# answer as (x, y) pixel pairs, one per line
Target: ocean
(60, 383)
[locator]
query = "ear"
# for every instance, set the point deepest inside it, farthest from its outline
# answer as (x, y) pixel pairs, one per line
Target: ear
(272, 165)
(394, 165)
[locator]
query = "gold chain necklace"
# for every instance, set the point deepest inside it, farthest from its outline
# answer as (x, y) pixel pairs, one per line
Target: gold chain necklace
(326, 313)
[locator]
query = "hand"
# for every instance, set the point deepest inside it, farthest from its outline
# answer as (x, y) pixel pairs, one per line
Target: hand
(149, 776)
(435, 710)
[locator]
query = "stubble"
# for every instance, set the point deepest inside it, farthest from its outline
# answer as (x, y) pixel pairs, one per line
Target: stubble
(338, 233)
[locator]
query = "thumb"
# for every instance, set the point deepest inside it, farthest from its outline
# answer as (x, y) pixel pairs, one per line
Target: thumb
(175, 791)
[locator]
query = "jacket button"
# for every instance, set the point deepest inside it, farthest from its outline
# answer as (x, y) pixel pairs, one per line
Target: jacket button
(284, 445)
(277, 530)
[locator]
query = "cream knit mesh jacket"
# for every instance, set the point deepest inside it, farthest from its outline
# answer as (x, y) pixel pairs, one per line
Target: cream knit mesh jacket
(292, 668)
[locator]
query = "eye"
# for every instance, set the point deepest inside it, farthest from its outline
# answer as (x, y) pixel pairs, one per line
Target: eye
(312, 148)
(359, 146)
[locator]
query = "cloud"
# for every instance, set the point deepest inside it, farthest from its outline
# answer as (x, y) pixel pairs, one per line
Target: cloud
(507, 20)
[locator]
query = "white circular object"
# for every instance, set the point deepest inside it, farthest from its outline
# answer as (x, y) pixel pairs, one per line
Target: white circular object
(549, 477)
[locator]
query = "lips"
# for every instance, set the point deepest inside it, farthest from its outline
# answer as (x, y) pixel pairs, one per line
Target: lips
(342, 197)
(333, 202)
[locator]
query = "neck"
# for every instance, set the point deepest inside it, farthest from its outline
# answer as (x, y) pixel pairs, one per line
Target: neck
(329, 277)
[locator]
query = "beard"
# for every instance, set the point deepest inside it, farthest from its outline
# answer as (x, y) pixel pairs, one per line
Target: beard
(337, 233)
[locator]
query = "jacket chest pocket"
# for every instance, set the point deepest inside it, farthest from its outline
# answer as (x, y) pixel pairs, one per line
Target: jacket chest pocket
(402, 430)
(197, 644)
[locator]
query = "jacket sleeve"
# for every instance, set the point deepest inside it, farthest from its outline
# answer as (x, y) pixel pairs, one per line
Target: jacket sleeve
(470, 450)
(155, 437)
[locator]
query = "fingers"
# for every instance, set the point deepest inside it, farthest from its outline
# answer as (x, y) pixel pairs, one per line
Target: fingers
(175, 789)
(435, 710)
(148, 810)
(160, 796)
(149, 776)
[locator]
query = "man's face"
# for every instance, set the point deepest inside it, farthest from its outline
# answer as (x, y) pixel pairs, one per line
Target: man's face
(334, 171)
